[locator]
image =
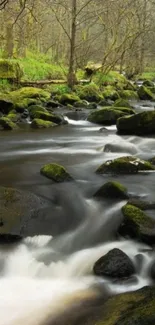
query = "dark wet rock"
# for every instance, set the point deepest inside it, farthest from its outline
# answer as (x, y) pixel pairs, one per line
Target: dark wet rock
(25, 114)
(152, 160)
(81, 104)
(145, 93)
(9, 238)
(115, 264)
(112, 190)
(104, 130)
(139, 260)
(152, 270)
(137, 224)
(142, 204)
(52, 104)
(139, 124)
(92, 106)
(106, 116)
(17, 208)
(126, 147)
(7, 124)
(76, 115)
(124, 165)
(55, 172)
(41, 124)
(6, 105)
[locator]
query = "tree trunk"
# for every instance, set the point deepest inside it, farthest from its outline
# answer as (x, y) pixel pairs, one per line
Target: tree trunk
(71, 73)
(9, 46)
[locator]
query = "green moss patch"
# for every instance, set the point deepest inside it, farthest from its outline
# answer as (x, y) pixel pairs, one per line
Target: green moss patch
(7, 124)
(55, 172)
(41, 124)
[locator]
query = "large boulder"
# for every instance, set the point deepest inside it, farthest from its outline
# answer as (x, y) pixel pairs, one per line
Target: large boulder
(41, 124)
(55, 172)
(106, 116)
(115, 264)
(137, 224)
(10, 70)
(139, 124)
(112, 190)
(68, 99)
(17, 207)
(124, 165)
(145, 93)
(7, 124)
(110, 92)
(36, 108)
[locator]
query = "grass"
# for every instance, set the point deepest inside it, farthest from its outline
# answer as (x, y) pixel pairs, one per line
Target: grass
(146, 76)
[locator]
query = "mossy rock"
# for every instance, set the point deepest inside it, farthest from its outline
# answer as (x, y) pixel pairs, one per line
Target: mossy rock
(23, 104)
(106, 102)
(41, 124)
(110, 93)
(145, 93)
(10, 70)
(130, 308)
(36, 108)
(26, 93)
(13, 116)
(68, 99)
(7, 124)
(122, 103)
(47, 117)
(129, 94)
(148, 83)
(81, 104)
(124, 165)
(112, 190)
(106, 116)
(139, 124)
(55, 172)
(6, 104)
(90, 93)
(137, 224)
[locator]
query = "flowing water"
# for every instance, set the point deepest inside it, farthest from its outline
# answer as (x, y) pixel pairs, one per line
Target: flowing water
(44, 274)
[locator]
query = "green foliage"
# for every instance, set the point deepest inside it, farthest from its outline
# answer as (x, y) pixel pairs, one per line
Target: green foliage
(5, 86)
(58, 89)
(7, 124)
(111, 78)
(10, 69)
(146, 76)
(90, 92)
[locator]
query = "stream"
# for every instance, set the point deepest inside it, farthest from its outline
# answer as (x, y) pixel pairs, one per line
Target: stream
(45, 274)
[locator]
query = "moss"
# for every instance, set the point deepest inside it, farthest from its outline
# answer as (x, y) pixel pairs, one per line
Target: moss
(46, 117)
(41, 124)
(106, 116)
(10, 70)
(29, 93)
(81, 104)
(127, 110)
(68, 99)
(136, 308)
(90, 92)
(112, 190)
(13, 116)
(110, 93)
(7, 124)
(36, 108)
(125, 165)
(137, 216)
(128, 94)
(122, 103)
(141, 123)
(145, 93)
(55, 172)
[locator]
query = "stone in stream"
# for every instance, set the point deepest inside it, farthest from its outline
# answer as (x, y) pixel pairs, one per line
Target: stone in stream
(121, 147)
(145, 93)
(138, 124)
(109, 115)
(148, 83)
(112, 190)
(6, 104)
(124, 165)
(41, 124)
(115, 264)
(142, 204)
(68, 99)
(7, 124)
(137, 224)
(57, 119)
(122, 103)
(56, 172)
